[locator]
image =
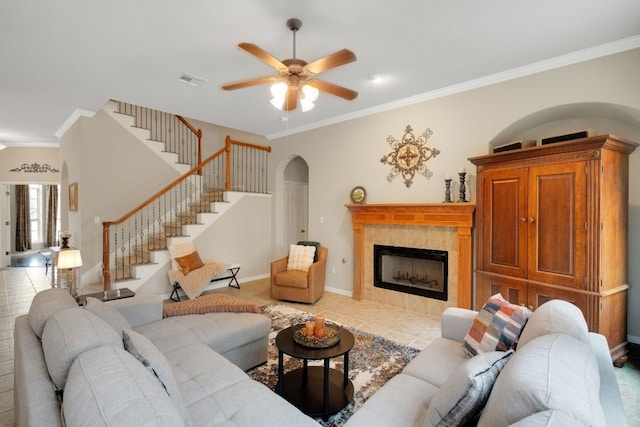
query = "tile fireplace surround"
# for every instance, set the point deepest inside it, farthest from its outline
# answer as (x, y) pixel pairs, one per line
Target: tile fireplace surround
(443, 226)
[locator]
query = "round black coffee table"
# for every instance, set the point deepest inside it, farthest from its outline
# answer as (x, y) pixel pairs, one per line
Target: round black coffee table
(318, 391)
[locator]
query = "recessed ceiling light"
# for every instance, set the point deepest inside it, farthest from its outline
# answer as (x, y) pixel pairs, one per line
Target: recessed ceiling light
(191, 80)
(377, 78)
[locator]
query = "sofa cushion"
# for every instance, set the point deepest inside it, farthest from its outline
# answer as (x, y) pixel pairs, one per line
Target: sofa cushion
(148, 354)
(300, 257)
(437, 362)
(551, 418)
(497, 326)
(108, 387)
(107, 313)
(70, 333)
(464, 394)
(556, 317)
(47, 303)
(552, 372)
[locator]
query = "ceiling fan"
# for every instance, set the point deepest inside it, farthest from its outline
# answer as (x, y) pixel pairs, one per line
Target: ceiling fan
(295, 75)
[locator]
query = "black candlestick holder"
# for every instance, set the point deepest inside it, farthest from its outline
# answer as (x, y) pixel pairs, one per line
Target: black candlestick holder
(447, 190)
(463, 196)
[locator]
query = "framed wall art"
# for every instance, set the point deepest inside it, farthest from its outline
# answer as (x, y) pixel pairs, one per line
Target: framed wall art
(73, 197)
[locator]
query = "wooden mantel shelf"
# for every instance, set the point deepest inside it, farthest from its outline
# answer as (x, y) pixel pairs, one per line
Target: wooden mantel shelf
(458, 215)
(439, 215)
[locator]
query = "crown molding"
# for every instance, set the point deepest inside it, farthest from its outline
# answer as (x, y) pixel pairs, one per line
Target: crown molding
(77, 113)
(576, 57)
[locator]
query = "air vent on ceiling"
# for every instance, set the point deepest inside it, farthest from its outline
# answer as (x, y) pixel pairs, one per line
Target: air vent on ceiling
(191, 80)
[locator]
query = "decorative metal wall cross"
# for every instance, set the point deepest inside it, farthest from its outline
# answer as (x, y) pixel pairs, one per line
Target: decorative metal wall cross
(409, 155)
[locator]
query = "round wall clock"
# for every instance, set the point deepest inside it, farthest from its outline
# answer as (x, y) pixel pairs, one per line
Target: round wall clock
(358, 194)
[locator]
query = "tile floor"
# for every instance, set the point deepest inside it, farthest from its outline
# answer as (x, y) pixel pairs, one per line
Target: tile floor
(19, 285)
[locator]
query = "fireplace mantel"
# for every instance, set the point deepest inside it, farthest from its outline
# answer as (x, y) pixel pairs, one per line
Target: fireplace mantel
(458, 215)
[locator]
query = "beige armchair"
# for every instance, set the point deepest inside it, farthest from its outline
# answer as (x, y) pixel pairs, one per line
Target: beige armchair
(299, 286)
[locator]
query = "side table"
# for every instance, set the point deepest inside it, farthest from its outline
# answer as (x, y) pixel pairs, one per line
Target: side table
(108, 295)
(318, 391)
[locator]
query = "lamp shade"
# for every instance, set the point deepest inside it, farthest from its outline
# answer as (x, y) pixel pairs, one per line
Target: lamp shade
(69, 258)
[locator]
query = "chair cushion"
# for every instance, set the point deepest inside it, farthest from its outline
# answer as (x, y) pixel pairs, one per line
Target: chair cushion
(497, 326)
(70, 333)
(464, 394)
(310, 243)
(108, 387)
(552, 372)
(45, 304)
(189, 262)
(292, 279)
(300, 257)
(107, 313)
(556, 317)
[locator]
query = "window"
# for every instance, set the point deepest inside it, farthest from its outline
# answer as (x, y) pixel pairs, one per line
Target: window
(36, 206)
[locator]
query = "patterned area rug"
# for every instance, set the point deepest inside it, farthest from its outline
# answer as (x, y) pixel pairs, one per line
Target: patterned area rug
(373, 361)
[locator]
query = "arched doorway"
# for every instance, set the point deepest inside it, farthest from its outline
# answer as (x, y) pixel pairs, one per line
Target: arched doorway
(296, 200)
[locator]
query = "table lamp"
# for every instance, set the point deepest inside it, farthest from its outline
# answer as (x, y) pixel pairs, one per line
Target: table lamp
(68, 259)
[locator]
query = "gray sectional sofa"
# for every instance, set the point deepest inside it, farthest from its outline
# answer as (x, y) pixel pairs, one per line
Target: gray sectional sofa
(559, 375)
(120, 363)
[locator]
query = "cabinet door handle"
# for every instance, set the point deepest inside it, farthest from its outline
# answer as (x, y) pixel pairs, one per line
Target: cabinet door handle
(523, 219)
(531, 220)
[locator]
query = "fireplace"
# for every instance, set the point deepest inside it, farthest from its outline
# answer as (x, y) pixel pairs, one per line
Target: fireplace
(414, 271)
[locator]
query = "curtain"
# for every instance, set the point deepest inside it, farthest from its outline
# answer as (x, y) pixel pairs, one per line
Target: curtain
(23, 219)
(52, 216)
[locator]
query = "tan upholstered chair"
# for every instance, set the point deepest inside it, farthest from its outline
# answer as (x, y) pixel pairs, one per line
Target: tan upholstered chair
(299, 286)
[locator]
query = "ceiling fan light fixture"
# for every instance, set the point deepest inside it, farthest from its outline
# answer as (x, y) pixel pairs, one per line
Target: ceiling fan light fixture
(310, 93)
(306, 105)
(278, 102)
(279, 90)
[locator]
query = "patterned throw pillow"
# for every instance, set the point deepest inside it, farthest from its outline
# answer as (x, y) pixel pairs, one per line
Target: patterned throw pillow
(300, 257)
(464, 394)
(497, 326)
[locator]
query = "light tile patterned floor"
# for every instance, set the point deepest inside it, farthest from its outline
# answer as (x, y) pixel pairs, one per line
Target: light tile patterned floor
(19, 285)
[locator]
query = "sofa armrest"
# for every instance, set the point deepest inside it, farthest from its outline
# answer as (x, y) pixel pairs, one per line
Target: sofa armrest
(140, 309)
(610, 398)
(456, 322)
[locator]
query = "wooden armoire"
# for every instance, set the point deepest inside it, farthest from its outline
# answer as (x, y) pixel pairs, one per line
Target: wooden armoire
(551, 223)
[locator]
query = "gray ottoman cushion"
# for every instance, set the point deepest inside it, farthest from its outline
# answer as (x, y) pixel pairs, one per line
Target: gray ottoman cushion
(70, 333)
(109, 387)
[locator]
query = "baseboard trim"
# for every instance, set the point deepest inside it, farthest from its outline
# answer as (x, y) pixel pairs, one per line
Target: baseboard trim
(633, 339)
(339, 291)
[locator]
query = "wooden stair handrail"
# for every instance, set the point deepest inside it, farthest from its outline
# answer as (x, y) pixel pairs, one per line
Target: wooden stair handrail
(198, 133)
(197, 169)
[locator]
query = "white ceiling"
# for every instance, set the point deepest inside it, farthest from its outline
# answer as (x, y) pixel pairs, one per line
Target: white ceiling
(68, 57)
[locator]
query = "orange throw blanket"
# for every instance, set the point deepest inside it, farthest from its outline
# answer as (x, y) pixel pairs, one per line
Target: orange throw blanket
(209, 304)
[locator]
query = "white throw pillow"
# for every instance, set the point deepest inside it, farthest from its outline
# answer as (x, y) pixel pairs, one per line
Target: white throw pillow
(300, 257)
(464, 394)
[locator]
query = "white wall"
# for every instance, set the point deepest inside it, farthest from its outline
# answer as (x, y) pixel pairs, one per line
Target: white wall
(603, 93)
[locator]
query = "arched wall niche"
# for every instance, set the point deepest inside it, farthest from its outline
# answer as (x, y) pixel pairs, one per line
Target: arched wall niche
(604, 118)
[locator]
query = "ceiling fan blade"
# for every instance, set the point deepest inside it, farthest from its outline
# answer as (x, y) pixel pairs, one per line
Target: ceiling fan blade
(252, 82)
(292, 99)
(336, 90)
(262, 55)
(334, 60)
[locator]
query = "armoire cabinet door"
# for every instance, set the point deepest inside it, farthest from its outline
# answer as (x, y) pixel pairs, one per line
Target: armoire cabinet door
(513, 290)
(539, 294)
(557, 221)
(504, 228)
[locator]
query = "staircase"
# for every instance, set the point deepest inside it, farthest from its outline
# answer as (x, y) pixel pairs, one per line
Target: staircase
(135, 246)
